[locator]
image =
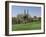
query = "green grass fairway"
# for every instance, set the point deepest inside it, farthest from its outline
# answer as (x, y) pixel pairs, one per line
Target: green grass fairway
(27, 26)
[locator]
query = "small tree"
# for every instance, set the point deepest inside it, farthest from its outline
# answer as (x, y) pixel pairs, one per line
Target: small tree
(39, 18)
(14, 20)
(35, 18)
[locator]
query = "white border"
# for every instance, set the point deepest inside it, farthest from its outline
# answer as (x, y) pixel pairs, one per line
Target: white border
(27, 31)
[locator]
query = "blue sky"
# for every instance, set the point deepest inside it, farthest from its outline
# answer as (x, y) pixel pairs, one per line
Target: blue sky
(33, 11)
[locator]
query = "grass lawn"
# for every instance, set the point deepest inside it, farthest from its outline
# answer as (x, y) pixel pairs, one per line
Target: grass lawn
(27, 26)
